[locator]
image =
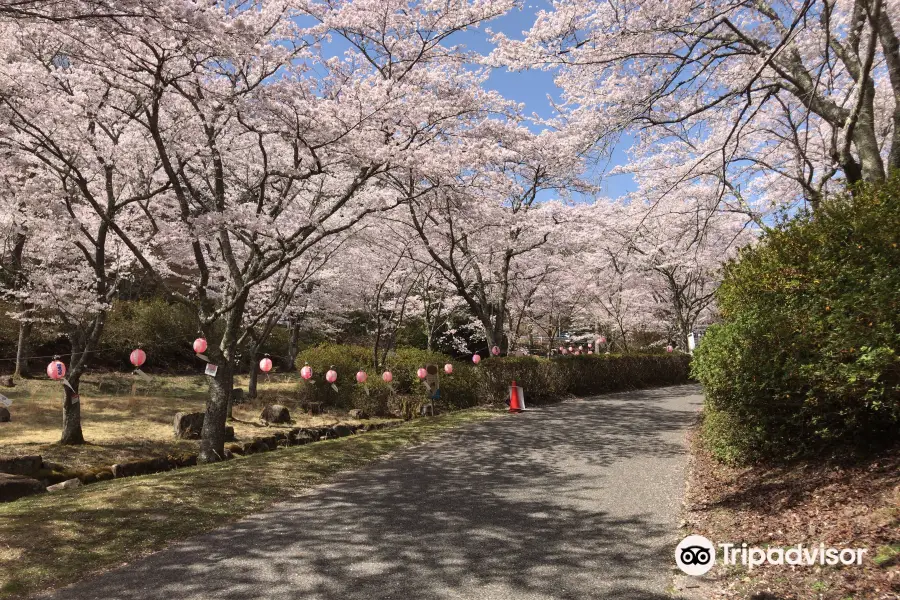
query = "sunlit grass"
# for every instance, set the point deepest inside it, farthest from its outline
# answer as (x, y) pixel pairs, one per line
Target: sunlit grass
(55, 539)
(125, 417)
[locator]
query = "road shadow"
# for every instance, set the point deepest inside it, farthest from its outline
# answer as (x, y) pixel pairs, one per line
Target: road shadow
(559, 502)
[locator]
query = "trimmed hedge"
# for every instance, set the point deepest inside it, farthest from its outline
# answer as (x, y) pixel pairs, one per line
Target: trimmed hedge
(808, 356)
(544, 380)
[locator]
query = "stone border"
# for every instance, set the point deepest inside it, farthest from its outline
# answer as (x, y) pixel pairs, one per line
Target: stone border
(51, 473)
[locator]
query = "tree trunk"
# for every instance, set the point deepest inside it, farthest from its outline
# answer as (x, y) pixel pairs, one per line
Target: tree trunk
(293, 345)
(489, 333)
(212, 443)
(71, 431)
(22, 349)
(254, 378)
(866, 142)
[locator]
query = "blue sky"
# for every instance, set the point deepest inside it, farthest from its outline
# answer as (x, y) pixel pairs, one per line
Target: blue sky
(533, 88)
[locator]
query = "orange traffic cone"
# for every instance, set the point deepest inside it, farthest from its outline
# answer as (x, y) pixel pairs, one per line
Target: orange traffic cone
(515, 402)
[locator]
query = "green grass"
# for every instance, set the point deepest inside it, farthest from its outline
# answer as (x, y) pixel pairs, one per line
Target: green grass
(54, 539)
(887, 555)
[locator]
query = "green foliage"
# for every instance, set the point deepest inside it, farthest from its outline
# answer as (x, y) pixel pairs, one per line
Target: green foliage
(165, 331)
(594, 374)
(807, 356)
(544, 380)
(346, 360)
(405, 362)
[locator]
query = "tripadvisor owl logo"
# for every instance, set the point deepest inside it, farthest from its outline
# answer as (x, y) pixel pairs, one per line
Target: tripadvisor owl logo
(695, 555)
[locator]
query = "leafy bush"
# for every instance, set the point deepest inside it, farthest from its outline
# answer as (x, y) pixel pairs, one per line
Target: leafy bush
(807, 356)
(165, 331)
(376, 397)
(544, 380)
(346, 360)
(405, 362)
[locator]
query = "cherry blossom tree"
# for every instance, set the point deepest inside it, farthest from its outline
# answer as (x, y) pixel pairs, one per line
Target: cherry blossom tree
(14, 268)
(82, 175)
(771, 100)
(255, 145)
(436, 303)
(477, 224)
(657, 265)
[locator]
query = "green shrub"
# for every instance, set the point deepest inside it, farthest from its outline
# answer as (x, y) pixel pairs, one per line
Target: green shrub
(547, 380)
(593, 374)
(544, 380)
(165, 331)
(807, 356)
(405, 362)
(346, 360)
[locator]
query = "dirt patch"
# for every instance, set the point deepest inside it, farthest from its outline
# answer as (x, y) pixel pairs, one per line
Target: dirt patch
(834, 501)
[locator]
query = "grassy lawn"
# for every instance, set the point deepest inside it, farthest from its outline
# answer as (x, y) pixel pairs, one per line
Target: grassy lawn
(126, 418)
(51, 540)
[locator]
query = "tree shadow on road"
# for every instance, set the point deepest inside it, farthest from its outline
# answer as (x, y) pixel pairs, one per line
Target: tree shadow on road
(503, 509)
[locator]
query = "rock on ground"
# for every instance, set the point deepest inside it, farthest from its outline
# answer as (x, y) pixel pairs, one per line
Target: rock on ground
(68, 484)
(21, 465)
(275, 413)
(188, 425)
(13, 487)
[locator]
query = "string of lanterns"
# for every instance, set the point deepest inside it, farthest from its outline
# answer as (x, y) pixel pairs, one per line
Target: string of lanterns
(56, 370)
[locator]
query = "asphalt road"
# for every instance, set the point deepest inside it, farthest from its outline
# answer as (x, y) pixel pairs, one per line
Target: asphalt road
(577, 500)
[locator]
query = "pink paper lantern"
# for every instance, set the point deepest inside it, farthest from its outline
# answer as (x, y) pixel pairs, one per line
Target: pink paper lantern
(306, 371)
(495, 351)
(561, 349)
(421, 372)
(590, 351)
(602, 339)
(200, 345)
(581, 347)
(476, 359)
(448, 368)
(669, 349)
(138, 357)
(361, 376)
(571, 349)
(387, 377)
(265, 365)
(56, 370)
(331, 376)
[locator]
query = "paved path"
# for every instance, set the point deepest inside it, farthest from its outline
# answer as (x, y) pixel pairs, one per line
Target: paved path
(577, 500)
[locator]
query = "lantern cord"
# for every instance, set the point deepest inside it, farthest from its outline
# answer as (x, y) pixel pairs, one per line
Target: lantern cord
(97, 351)
(59, 354)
